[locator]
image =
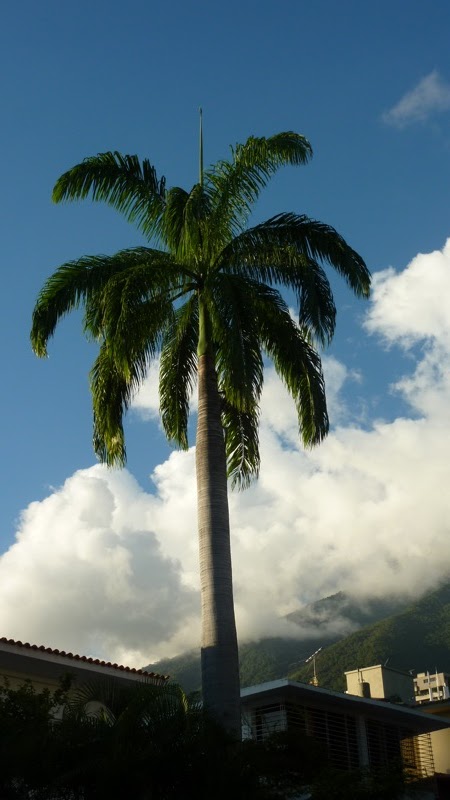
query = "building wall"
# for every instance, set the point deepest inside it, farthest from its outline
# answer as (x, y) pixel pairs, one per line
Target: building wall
(45, 667)
(348, 741)
(17, 679)
(383, 682)
(440, 740)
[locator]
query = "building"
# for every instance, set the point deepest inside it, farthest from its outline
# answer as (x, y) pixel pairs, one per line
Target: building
(381, 683)
(355, 731)
(429, 687)
(430, 691)
(45, 667)
(440, 744)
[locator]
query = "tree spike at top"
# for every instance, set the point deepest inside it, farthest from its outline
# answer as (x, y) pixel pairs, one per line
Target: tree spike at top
(201, 148)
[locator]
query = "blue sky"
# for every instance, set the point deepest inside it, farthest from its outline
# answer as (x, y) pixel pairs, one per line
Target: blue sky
(367, 83)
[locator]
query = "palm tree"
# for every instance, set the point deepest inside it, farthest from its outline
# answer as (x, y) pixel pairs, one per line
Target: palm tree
(139, 741)
(206, 297)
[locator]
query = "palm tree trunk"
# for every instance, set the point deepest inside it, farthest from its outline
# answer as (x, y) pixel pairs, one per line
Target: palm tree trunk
(220, 661)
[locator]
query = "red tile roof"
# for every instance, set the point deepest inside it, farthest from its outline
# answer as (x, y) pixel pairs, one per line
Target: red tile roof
(75, 657)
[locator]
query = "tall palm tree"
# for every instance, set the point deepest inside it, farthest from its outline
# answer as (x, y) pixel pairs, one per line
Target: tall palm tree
(206, 297)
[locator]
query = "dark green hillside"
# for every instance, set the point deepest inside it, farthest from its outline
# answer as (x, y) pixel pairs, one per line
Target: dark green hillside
(273, 658)
(417, 638)
(260, 661)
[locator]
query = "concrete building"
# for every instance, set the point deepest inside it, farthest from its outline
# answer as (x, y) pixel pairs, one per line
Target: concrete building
(430, 691)
(431, 686)
(355, 732)
(382, 683)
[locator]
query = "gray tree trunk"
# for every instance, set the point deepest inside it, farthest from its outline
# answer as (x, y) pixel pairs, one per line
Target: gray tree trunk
(219, 653)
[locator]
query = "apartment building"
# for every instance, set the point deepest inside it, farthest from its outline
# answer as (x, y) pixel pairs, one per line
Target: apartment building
(432, 686)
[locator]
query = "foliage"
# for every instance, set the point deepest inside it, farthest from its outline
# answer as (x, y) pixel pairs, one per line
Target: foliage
(381, 784)
(142, 742)
(28, 745)
(148, 742)
(214, 283)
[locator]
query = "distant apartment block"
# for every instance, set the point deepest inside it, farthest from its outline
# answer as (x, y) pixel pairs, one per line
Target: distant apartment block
(430, 687)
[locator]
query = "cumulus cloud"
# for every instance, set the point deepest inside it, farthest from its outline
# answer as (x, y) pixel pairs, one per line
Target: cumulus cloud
(429, 97)
(146, 401)
(411, 310)
(103, 567)
(87, 573)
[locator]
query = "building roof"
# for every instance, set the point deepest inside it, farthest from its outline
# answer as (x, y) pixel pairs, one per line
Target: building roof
(379, 666)
(48, 662)
(316, 696)
(441, 706)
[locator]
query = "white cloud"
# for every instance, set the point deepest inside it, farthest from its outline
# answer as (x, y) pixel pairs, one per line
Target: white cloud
(146, 401)
(430, 96)
(411, 309)
(87, 573)
(103, 567)
(413, 305)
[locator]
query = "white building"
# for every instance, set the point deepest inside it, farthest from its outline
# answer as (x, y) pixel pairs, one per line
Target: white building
(431, 686)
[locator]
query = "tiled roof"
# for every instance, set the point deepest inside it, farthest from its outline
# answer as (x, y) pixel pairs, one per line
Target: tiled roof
(86, 659)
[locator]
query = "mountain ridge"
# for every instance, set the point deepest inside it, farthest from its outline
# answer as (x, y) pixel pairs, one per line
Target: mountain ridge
(416, 639)
(275, 657)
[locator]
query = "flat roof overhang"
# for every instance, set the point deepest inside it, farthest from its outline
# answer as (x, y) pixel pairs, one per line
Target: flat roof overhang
(285, 691)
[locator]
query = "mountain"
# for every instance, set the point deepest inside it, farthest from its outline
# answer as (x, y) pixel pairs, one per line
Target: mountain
(345, 610)
(417, 638)
(258, 661)
(322, 623)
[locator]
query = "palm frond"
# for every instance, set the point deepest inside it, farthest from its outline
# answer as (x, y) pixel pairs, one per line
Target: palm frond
(239, 362)
(316, 241)
(116, 376)
(122, 182)
(184, 223)
(241, 444)
(111, 395)
(178, 370)
(173, 219)
(235, 185)
(134, 308)
(81, 282)
(137, 336)
(286, 250)
(264, 257)
(296, 362)
(132, 338)
(64, 291)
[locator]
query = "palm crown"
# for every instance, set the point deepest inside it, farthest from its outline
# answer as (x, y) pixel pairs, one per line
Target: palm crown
(213, 285)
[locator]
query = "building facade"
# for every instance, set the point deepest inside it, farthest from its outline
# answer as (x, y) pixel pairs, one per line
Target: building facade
(431, 686)
(353, 732)
(382, 683)
(45, 667)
